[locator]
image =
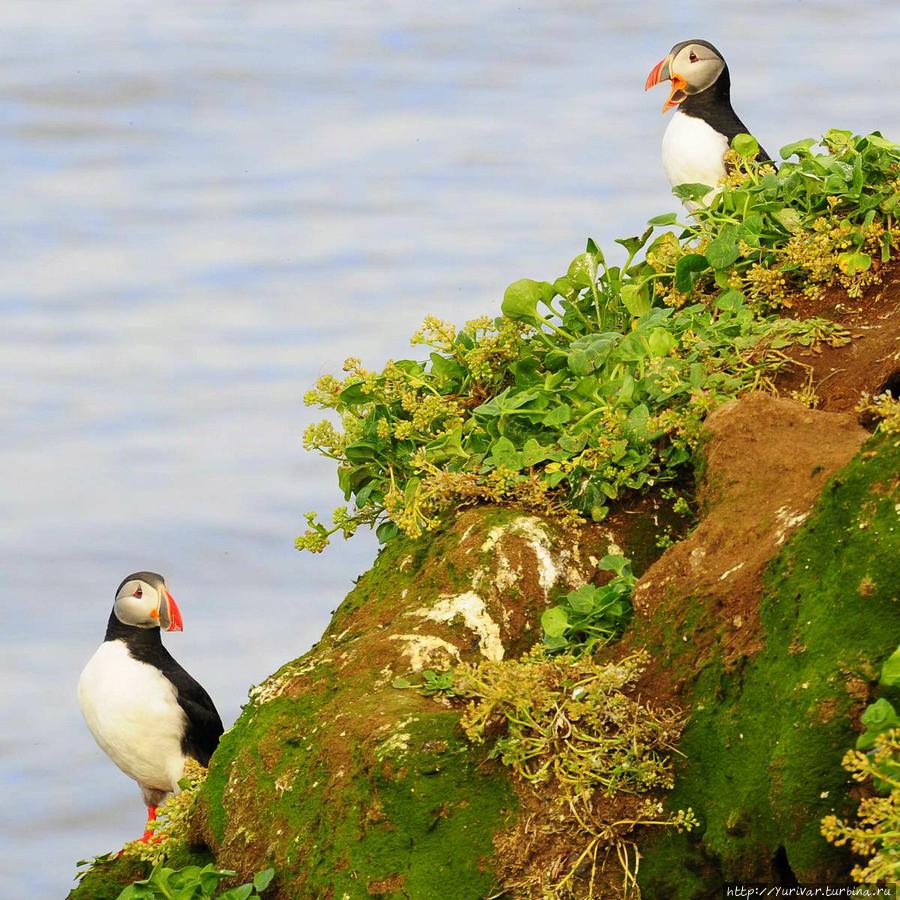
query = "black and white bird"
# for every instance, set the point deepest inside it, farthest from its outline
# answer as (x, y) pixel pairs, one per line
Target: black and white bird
(142, 708)
(704, 124)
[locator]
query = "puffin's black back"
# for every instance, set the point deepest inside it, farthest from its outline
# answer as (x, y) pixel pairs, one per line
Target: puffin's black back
(204, 726)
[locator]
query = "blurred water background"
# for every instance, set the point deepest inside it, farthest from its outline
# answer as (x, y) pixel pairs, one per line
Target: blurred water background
(207, 205)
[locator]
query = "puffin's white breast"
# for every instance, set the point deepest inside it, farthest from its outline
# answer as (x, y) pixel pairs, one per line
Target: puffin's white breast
(693, 152)
(132, 710)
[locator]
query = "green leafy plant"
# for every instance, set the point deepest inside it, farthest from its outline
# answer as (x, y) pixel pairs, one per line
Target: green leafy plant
(877, 718)
(876, 760)
(591, 615)
(890, 671)
(194, 883)
(880, 715)
(597, 383)
(883, 409)
(432, 683)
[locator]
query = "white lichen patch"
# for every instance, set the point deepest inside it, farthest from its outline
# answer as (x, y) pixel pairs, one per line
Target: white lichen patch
(532, 530)
(426, 651)
(274, 687)
(788, 521)
(285, 783)
(471, 609)
(384, 676)
(397, 743)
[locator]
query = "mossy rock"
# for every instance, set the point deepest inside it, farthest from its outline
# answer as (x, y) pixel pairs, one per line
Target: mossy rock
(769, 724)
(350, 786)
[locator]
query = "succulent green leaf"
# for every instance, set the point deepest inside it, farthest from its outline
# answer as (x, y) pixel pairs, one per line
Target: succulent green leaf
(687, 269)
(723, 250)
(554, 621)
(263, 879)
(890, 670)
(692, 192)
(520, 300)
(745, 145)
(854, 261)
(661, 342)
(636, 299)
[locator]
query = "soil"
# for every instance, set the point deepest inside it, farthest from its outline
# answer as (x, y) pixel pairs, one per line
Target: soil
(870, 363)
(767, 460)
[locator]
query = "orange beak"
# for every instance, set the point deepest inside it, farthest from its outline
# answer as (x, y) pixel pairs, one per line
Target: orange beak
(173, 614)
(662, 72)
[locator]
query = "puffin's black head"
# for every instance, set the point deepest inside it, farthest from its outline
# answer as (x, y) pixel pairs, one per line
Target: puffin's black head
(693, 67)
(143, 601)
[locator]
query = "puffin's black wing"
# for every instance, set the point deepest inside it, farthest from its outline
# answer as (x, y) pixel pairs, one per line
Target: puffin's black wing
(204, 727)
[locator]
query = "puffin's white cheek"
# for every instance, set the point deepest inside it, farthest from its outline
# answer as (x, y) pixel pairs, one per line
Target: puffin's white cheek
(136, 611)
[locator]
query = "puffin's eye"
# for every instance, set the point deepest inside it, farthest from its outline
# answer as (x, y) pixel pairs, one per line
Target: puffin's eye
(139, 592)
(693, 57)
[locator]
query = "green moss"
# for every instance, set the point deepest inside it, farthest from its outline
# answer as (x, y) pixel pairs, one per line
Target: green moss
(106, 878)
(765, 740)
(263, 739)
(422, 822)
(411, 804)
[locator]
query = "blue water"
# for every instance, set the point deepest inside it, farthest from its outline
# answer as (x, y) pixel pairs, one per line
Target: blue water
(204, 206)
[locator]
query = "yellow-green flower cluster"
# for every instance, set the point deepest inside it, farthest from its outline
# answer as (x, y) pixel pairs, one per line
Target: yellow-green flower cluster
(436, 333)
(172, 826)
(885, 409)
(496, 346)
(876, 832)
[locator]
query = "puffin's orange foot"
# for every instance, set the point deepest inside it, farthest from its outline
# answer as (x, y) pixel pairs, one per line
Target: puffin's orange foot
(149, 836)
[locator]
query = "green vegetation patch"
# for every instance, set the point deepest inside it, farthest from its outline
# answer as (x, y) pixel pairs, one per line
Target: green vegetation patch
(106, 877)
(876, 832)
(595, 384)
(590, 757)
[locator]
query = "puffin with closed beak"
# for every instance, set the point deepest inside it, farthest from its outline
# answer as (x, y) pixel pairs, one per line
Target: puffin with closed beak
(704, 124)
(142, 708)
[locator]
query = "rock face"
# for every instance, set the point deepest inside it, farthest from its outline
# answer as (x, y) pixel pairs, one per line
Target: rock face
(774, 655)
(766, 461)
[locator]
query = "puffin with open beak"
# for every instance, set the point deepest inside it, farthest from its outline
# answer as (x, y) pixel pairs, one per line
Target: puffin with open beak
(142, 708)
(704, 124)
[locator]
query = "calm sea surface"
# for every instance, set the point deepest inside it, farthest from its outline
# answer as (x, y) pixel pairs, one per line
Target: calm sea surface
(203, 207)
